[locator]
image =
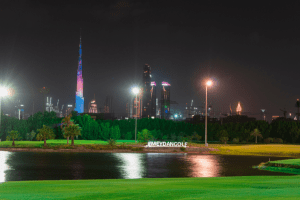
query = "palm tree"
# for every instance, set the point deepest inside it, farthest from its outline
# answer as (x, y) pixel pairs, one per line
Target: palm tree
(71, 131)
(65, 123)
(13, 135)
(256, 133)
(45, 133)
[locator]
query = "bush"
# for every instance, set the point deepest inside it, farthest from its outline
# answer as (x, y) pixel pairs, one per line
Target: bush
(182, 148)
(223, 136)
(278, 140)
(224, 139)
(128, 136)
(236, 140)
(165, 137)
(196, 137)
(111, 142)
(268, 140)
(144, 136)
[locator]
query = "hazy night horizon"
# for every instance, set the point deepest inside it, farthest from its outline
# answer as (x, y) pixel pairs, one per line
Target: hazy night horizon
(249, 52)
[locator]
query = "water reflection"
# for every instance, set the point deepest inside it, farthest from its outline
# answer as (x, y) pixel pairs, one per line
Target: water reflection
(3, 165)
(21, 166)
(131, 165)
(203, 165)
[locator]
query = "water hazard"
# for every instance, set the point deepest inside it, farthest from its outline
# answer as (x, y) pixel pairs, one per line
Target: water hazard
(21, 166)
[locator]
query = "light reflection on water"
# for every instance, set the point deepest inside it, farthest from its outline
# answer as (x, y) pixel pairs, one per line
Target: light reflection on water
(131, 166)
(3, 166)
(203, 166)
(20, 166)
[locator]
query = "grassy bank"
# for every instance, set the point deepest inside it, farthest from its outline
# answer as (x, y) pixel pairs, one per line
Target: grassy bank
(247, 187)
(291, 166)
(37, 144)
(276, 150)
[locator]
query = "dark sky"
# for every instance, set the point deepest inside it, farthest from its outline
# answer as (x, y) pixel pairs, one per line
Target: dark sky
(250, 50)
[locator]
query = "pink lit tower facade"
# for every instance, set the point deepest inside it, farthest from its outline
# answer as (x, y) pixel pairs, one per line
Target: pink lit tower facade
(79, 104)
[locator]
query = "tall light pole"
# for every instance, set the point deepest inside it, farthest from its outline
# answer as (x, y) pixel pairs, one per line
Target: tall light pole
(136, 91)
(3, 92)
(208, 83)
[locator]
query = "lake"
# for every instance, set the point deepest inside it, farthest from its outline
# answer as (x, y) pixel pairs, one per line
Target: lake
(21, 166)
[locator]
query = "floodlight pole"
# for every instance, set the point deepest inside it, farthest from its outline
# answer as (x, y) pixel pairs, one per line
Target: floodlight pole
(206, 119)
(136, 116)
(0, 115)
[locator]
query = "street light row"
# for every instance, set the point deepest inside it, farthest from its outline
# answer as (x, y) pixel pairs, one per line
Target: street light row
(136, 90)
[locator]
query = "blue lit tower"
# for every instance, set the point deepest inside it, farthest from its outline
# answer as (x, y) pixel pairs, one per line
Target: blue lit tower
(79, 104)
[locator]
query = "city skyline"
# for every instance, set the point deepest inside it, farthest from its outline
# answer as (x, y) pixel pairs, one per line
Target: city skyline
(251, 57)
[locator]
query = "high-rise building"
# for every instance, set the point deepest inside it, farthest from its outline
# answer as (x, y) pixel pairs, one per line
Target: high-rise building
(148, 94)
(165, 100)
(93, 106)
(108, 104)
(79, 105)
(19, 110)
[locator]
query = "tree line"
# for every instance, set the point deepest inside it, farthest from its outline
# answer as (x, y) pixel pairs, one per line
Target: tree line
(161, 129)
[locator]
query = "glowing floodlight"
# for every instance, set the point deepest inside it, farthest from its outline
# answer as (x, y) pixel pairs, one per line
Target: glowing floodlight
(135, 90)
(3, 91)
(209, 83)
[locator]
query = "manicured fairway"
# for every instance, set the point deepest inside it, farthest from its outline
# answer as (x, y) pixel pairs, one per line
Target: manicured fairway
(280, 150)
(60, 142)
(288, 162)
(247, 187)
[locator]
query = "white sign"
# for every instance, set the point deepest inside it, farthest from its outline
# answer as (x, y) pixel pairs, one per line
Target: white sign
(166, 144)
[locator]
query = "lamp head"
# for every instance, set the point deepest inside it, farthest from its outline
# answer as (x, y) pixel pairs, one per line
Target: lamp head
(135, 90)
(3, 91)
(209, 83)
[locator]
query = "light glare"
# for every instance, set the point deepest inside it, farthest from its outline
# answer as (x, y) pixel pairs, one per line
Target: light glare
(135, 90)
(208, 83)
(3, 91)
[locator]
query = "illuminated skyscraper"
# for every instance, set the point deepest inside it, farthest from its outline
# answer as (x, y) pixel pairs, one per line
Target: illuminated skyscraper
(149, 94)
(93, 106)
(165, 100)
(79, 104)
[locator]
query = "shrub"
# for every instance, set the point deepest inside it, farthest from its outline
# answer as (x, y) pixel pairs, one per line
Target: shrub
(30, 136)
(278, 140)
(235, 140)
(144, 136)
(223, 136)
(173, 137)
(182, 148)
(268, 140)
(224, 139)
(196, 137)
(128, 136)
(111, 142)
(165, 137)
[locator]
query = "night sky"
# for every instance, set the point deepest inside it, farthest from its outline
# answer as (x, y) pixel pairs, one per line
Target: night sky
(250, 50)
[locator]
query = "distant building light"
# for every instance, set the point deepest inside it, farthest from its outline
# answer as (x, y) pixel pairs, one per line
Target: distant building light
(152, 117)
(126, 117)
(70, 105)
(165, 83)
(21, 105)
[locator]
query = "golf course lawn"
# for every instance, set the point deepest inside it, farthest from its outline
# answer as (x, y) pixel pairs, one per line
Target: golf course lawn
(291, 166)
(243, 187)
(280, 150)
(60, 142)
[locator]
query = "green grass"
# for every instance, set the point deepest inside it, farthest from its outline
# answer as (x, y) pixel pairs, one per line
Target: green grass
(247, 187)
(37, 144)
(287, 162)
(291, 166)
(280, 150)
